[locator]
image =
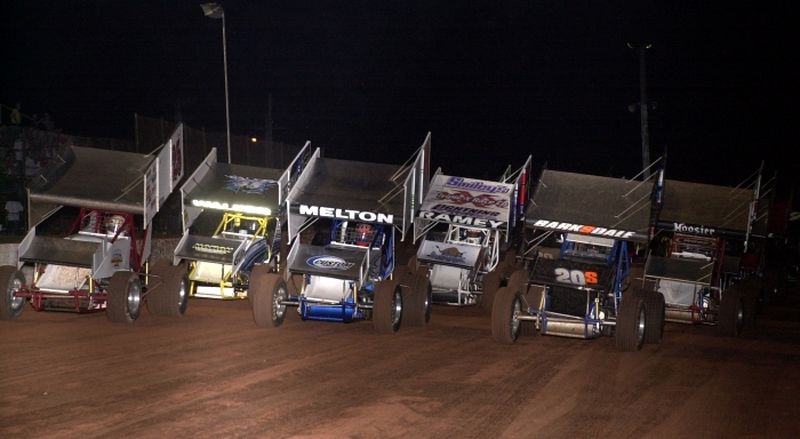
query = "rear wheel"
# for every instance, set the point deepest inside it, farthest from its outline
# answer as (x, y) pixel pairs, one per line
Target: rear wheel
(124, 297)
(11, 281)
(517, 280)
(631, 322)
(505, 316)
(509, 262)
(169, 295)
(267, 293)
(387, 308)
(412, 264)
(531, 298)
(730, 319)
(491, 283)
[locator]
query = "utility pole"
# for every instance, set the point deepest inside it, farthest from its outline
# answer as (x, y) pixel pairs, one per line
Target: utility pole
(643, 106)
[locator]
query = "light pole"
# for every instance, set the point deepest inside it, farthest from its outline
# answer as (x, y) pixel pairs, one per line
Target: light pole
(643, 106)
(214, 10)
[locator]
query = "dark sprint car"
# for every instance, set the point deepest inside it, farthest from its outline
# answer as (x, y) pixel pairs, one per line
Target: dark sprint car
(348, 273)
(579, 292)
(707, 253)
(231, 222)
(477, 219)
(90, 243)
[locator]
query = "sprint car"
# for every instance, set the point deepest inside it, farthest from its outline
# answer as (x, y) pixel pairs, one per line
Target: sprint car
(465, 225)
(231, 222)
(89, 246)
(582, 289)
(699, 267)
(349, 272)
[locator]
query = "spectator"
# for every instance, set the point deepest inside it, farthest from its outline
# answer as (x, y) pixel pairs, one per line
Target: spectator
(47, 122)
(14, 211)
(16, 115)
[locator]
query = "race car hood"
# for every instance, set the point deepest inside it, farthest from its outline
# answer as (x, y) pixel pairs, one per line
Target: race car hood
(329, 261)
(706, 210)
(571, 273)
(467, 201)
(209, 249)
(610, 207)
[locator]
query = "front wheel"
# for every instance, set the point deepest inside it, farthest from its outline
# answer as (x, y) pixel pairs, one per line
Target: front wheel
(730, 320)
(267, 293)
(11, 281)
(124, 297)
(491, 284)
(506, 311)
(387, 308)
(654, 308)
(631, 322)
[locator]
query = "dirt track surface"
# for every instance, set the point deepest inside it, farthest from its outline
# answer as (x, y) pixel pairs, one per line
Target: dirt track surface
(213, 373)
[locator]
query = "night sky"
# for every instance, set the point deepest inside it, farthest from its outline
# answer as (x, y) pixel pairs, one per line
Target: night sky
(493, 81)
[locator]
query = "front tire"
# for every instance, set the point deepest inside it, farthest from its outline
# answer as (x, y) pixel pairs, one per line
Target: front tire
(11, 280)
(387, 308)
(631, 323)
(654, 306)
(124, 302)
(420, 300)
(267, 293)
(506, 310)
(730, 319)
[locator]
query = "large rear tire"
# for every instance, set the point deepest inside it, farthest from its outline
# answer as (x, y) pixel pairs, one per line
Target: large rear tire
(124, 302)
(267, 292)
(170, 289)
(491, 284)
(11, 281)
(506, 310)
(509, 262)
(387, 307)
(517, 280)
(730, 319)
(631, 323)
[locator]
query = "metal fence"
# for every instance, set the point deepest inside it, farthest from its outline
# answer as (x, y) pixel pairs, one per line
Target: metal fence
(153, 132)
(26, 150)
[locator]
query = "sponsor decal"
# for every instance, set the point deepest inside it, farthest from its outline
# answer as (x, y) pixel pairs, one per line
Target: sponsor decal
(346, 214)
(329, 263)
(116, 259)
(697, 230)
(584, 229)
(463, 220)
(464, 210)
(449, 254)
(248, 185)
(212, 248)
(476, 185)
(576, 277)
(243, 208)
(464, 197)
